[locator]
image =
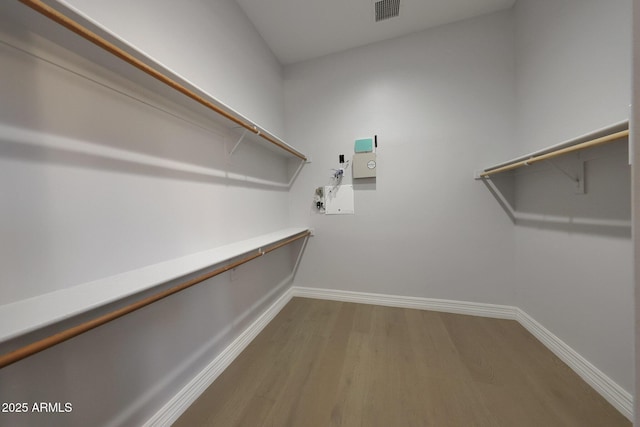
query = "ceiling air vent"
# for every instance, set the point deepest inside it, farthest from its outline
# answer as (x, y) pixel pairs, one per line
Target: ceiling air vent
(386, 9)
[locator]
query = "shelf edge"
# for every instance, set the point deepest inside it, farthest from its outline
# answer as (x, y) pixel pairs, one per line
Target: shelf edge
(31, 314)
(614, 128)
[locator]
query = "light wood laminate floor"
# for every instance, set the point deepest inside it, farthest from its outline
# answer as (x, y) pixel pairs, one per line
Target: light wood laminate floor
(326, 363)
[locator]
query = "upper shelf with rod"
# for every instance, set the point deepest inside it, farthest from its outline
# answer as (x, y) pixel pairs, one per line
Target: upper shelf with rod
(137, 67)
(602, 136)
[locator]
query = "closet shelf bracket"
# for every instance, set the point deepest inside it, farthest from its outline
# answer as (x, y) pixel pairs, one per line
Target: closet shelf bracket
(577, 177)
(235, 147)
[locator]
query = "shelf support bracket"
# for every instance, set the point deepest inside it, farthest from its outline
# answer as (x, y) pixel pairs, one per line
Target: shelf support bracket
(577, 178)
(580, 187)
(244, 133)
(297, 171)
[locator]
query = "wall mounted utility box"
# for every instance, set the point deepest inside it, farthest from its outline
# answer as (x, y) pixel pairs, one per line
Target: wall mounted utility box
(338, 200)
(364, 165)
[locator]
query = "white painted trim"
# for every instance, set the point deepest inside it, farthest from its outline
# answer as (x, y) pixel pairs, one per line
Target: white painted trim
(172, 410)
(621, 399)
(448, 306)
(609, 389)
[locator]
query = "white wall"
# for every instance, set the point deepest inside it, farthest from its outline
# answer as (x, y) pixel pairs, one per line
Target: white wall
(573, 68)
(454, 99)
(441, 103)
(211, 43)
(95, 183)
(574, 252)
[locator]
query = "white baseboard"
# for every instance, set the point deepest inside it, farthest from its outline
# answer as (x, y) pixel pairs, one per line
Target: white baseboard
(611, 391)
(172, 410)
(621, 399)
(449, 306)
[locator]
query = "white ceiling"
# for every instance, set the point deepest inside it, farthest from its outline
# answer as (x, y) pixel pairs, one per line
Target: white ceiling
(297, 30)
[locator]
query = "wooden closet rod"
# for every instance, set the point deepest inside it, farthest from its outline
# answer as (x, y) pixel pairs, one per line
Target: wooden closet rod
(89, 35)
(45, 343)
(592, 143)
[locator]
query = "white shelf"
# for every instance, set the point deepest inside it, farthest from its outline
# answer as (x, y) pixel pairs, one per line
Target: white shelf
(19, 14)
(599, 133)
(31, 314)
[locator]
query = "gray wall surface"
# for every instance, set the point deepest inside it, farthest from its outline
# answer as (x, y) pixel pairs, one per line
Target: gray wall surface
(574, 252)
(441, 103)
(89, 191)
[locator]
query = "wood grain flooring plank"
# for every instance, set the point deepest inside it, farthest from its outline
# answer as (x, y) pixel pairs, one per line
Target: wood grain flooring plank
(386, 393)
(315, 396)
(431, 341)
(352, 398)
(447, 389)
(549, 380)
(270, 354)
(326, 363)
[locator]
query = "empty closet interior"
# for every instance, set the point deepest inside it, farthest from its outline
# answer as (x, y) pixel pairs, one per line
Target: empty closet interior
(173, 173)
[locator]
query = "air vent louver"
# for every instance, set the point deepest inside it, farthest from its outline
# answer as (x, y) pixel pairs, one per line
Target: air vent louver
(386, 9)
